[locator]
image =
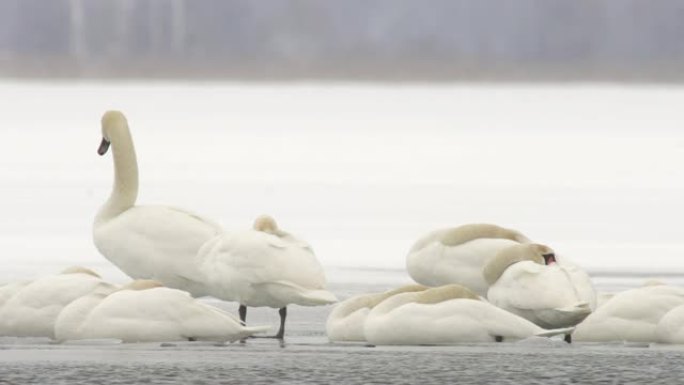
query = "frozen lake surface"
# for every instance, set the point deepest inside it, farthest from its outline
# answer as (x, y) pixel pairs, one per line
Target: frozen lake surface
(313, 361)
(360, 171)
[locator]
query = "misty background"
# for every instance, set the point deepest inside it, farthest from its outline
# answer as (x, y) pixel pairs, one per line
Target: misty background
(456, 40)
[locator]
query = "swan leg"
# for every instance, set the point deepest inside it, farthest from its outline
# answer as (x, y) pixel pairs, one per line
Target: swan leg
(243, 314)
(568, 338)
(283, 316)
(242, 311)
(498, 338)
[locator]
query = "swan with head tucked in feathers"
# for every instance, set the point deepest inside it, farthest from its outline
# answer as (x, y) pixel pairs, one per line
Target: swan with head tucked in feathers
(185, 251)
(145, 311)
(630, 316)
(445, 315)
(525, 280)
(264, 267)
(347, 319)
(457, 255)
(33, 306)
(670, 328)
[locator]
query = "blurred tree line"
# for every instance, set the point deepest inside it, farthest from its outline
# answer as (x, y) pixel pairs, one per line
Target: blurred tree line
(348, 39)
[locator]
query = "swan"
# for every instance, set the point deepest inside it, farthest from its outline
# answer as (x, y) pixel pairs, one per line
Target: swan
(445, 315)
(670, 328)
(525, 280)
(631, 315)
(32, 309)
(264, 266)
(146, 242)
(457, 255)
(259, 267)
(145, 311)
(346, 320)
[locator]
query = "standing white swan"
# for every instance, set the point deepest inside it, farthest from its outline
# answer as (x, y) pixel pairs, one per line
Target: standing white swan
(457, 255)
(31, 310)
(632, 315)
(525, 280)
(346, 321)
(264, 267)
(145, 311)
(185, 251)
(146, 242)
(445, 315)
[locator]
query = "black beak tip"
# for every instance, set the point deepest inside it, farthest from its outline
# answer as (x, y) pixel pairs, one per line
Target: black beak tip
(104, 146)
(549, 258)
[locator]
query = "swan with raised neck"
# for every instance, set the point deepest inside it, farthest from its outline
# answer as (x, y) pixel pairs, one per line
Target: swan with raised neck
(116, 134)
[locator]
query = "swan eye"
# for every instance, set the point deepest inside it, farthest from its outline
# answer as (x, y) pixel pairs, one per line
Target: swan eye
(104, 146)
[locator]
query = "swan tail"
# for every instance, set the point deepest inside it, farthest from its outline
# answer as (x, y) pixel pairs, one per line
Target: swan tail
(319, 297)
(555, 332)
(249, 330)
(288, 292)
(566, 316)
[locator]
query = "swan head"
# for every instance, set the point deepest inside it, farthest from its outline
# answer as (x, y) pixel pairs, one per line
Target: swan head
(142, 284)
(79, 270)
(112, 121)
(534, 252)
(266, 224)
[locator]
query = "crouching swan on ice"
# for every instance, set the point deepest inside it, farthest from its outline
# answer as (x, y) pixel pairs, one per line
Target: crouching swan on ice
(32, 307)
(526, 280)
(145, 311)
(445, 315)
(457, 255)
(630, 316)
(347, 319)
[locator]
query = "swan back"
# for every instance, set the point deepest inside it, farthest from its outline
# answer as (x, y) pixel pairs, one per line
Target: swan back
(513, 254)
(466, 233)
(142, 284)
(445, 293)
(80, 270)
(346, 320)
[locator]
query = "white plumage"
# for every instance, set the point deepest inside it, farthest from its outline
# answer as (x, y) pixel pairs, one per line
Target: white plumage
(457, 255)
(445, 315)
(146, 312)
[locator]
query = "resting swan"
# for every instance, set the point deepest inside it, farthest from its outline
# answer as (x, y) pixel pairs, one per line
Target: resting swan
(347, 319)
(457, 255)
(525, 280)
(445, 315)
(31, 310)
(670, 328)
(145, 311)
(264, 267)
(631, 315)
(187, 252)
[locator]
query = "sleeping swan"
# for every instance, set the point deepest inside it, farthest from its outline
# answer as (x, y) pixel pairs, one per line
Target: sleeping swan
(264, 267)
(346, 321)
(632, 315)
(187, 252)
(525, 280)
(31, 310)
(445, 315)
(457, 255)
(145, 311)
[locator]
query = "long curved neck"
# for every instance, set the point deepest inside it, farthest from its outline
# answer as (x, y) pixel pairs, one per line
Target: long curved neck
(125, 190)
